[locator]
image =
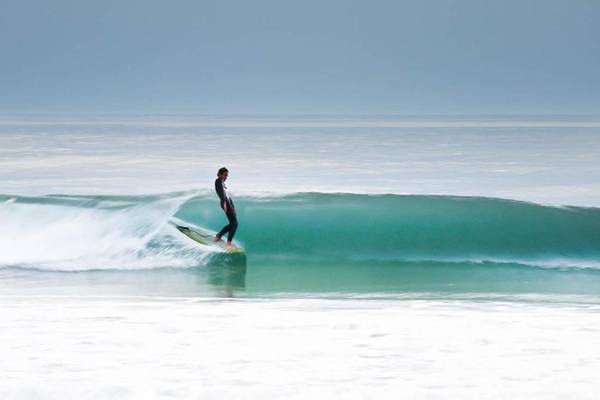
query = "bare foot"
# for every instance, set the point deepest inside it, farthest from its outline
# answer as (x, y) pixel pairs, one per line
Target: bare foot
(230, 246)
(217, 239)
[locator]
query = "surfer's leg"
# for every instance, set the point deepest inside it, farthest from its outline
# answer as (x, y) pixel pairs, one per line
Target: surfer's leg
(233, 226)
(223, 231)
(227, 228)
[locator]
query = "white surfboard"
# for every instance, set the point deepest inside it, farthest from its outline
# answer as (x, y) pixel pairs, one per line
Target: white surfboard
(204, 238)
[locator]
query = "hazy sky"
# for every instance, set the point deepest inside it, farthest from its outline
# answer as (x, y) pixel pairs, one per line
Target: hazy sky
(304, 56)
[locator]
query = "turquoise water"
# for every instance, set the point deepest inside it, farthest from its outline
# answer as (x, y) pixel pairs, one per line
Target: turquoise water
(306, 244)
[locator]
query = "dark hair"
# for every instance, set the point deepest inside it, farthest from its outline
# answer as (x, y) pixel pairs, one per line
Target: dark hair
(222, 170)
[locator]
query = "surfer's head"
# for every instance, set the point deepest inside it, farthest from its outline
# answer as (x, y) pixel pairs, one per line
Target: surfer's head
(223, 173)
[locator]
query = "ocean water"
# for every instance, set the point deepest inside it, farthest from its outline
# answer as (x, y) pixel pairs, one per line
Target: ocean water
(424, 257)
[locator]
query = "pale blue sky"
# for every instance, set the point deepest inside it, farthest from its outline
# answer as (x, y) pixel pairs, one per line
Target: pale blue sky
(367, 57)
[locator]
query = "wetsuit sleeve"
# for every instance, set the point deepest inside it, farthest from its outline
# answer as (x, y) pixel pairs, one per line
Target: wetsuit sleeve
(220, 192)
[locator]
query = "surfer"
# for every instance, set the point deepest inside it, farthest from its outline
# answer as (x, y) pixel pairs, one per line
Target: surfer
(227, 206)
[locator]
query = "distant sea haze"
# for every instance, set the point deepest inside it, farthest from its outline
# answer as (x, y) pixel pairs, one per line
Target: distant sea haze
(549, 159)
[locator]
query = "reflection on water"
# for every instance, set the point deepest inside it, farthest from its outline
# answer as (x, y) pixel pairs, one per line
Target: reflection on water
(223, 276)
(226, 273)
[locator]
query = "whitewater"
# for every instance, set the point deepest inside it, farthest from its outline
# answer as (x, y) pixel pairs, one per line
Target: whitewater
(428, 257)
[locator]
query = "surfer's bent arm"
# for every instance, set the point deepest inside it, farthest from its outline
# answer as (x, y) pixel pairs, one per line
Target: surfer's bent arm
(221, 193)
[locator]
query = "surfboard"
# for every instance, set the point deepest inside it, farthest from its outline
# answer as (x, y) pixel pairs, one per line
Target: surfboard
(204, 238)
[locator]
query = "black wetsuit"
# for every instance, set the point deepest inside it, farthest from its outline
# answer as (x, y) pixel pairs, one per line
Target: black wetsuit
(221, 190)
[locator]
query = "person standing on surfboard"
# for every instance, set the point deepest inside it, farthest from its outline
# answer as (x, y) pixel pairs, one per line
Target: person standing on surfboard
(227, 206)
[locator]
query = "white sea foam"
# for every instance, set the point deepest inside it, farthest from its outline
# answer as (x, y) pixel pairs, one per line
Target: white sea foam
(66, 238)
(186, 348)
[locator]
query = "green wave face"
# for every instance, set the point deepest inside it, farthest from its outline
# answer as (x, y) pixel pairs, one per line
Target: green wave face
(410, 228)
(398, 244)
